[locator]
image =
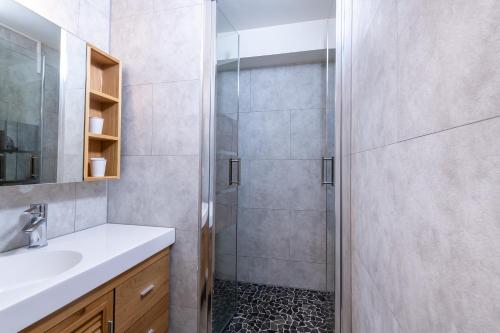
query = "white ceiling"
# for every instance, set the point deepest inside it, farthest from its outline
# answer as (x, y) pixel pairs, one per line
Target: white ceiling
(250, 14)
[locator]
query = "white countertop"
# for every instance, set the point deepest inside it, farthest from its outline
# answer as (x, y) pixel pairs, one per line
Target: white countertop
(107, 251)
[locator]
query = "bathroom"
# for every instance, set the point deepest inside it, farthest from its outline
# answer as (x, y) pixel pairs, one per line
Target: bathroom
(249, 166)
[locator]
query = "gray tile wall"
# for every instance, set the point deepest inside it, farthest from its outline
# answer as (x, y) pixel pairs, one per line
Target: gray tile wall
(281, 217)
(159, 43)
(425, 181)
(73, 206)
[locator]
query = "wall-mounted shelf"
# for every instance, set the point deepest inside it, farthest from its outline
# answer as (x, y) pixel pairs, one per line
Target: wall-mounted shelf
(102, 137)
(103, 99)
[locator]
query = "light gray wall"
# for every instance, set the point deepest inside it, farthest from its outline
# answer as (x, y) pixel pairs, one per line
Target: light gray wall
(159, 43)
(72, 206)
(425, 166)
(281, 217)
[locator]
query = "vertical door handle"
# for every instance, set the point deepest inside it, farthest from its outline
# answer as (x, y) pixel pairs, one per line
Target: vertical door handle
(324, 176)
(238, 178)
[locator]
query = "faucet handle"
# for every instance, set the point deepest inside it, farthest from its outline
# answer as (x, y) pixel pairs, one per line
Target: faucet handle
(39, 209)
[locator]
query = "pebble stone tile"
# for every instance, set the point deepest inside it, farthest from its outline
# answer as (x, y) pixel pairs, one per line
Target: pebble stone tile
(264, 308)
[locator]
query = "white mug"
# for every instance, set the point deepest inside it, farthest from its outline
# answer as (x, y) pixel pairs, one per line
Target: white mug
(96, 125)
(97, 166)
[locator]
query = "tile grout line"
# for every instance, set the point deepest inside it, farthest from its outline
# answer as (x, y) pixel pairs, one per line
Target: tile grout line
(426, 135)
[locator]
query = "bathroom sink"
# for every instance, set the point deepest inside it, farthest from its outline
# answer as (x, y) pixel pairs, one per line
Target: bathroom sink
(27, 268)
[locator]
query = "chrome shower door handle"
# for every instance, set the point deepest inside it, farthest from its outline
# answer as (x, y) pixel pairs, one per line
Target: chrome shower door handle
(324, 177)
(238, 178)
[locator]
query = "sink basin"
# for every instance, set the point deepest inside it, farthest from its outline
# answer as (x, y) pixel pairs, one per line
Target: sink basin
(20, 270)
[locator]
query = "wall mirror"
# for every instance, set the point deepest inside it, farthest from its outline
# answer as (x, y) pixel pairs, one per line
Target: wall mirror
(42, 99)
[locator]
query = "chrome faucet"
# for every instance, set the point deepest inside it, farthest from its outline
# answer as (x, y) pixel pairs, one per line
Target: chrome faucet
(36, 227)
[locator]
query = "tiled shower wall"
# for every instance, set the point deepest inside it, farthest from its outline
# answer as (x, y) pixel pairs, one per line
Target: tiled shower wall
(159, 43)
(425, 182)
(281, 217)
(73, 206)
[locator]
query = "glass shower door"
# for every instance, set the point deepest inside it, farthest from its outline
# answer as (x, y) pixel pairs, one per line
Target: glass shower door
(227, 176)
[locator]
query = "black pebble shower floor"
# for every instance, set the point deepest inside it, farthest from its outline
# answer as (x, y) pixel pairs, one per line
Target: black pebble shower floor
(277, 309)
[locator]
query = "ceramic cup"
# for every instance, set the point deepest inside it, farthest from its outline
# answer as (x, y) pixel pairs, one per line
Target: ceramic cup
(97, 166)
(96, 124)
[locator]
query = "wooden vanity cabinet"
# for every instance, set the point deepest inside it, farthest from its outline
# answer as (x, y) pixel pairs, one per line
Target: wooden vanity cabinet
(135, 301)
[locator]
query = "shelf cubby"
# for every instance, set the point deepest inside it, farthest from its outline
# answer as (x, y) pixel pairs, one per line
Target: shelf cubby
(103, 100)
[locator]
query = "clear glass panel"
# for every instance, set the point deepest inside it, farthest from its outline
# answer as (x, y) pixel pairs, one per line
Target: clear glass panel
(330, 151)
(226, 195)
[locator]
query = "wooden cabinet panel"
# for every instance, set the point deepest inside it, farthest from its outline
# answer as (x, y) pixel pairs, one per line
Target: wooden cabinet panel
(84, 316)
(92, 318)
(155, 320)
(140, 293)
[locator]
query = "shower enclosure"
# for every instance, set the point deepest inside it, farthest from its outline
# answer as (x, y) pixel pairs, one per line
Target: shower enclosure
(271, 203)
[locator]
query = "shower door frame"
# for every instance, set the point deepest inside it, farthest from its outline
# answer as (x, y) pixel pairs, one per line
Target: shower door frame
(343, 106)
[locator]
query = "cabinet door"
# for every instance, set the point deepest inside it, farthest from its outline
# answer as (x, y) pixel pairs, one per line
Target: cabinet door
(92, 318)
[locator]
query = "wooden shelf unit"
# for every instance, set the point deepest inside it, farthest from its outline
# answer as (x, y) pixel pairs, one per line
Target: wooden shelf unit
(103, 99)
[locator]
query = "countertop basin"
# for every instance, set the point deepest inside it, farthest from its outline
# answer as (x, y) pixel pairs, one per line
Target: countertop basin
(32, 267)
(36, 282)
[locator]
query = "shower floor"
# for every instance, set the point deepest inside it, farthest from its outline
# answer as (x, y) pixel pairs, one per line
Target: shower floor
(264, 308)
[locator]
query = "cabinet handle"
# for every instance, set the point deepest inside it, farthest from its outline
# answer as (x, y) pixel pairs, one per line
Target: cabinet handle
(151, 330)
(146, 291)
(111, 326)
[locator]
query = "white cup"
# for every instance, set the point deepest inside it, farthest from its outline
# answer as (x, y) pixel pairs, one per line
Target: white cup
(97, 166)
(96, 124)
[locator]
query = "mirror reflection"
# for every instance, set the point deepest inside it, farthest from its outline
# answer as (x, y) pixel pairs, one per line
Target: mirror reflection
(42, 99)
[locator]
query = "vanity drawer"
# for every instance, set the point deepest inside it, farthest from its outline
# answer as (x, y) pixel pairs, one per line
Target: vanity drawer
(140, 292)
(154, 321)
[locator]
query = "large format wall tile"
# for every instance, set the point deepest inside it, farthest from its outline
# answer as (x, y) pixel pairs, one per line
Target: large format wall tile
(184, 261)
(374, 88)
(131, 40)
(176, 109)
(306, 133)
(127, 8)
(296, 274)
(264, 135)
(175, 187)
(275, 184)
(169, 178)
(171, 4)
(182, 319)
(429, 253)
(92, 23)
(137, 120)
(444, 82)
(288, 87)
(264, 233)
(308, 236)
(370, 312)
(128, 199)
(91, 204)
(227, 92)
(150, 55)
